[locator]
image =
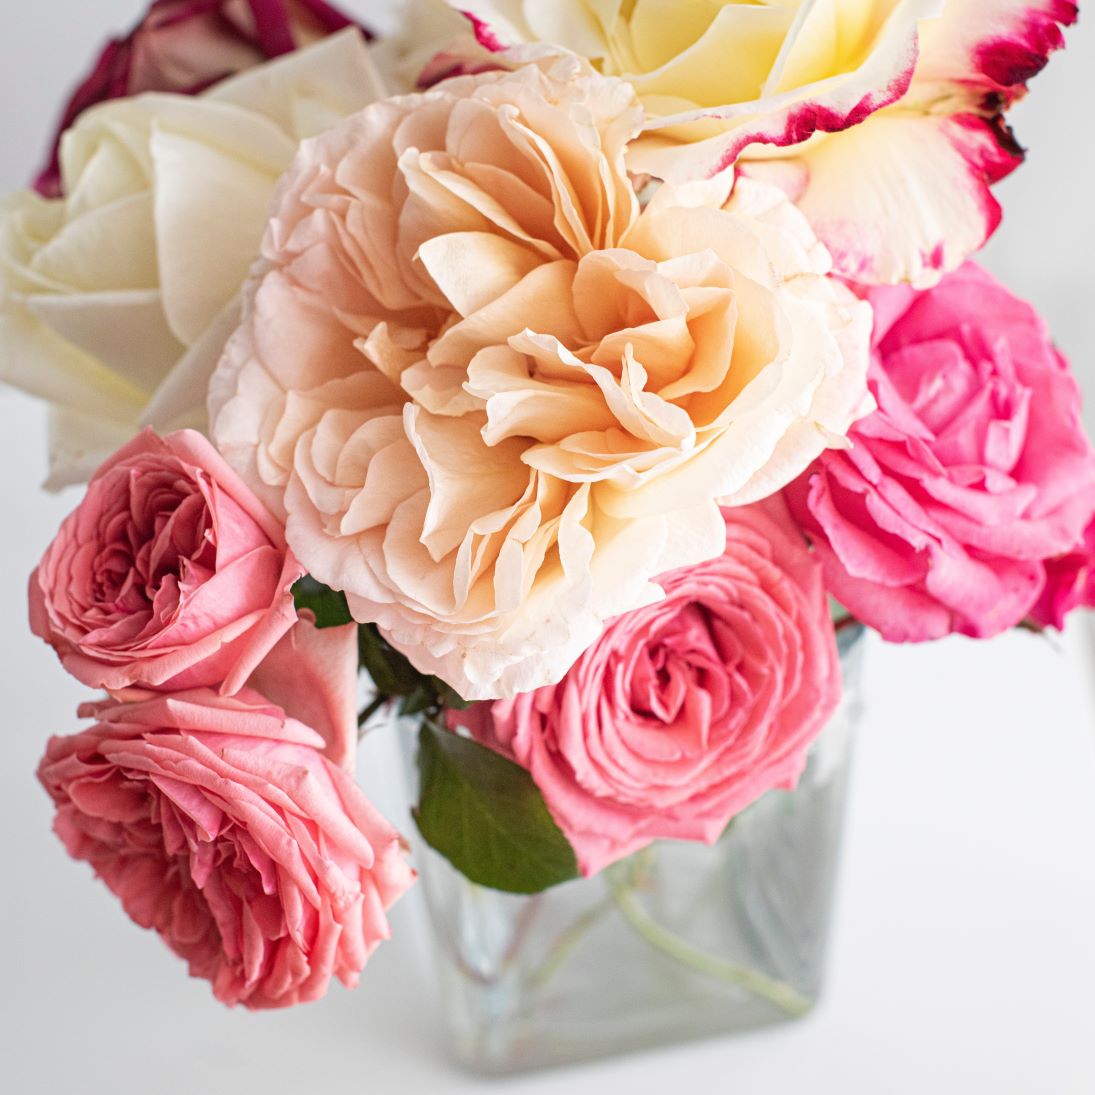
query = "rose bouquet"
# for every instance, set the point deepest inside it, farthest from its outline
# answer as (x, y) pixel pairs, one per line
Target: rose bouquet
(565, 385)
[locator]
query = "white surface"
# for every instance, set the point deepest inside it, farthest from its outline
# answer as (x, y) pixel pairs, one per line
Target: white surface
(964, 954)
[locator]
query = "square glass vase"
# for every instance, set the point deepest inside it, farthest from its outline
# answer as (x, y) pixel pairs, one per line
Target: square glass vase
(677, 942)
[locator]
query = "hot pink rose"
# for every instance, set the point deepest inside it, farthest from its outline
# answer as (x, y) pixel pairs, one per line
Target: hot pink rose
(220, 824)
(170, 573)
(183, 46)
(1070, 583)
(685, 711)
(973, 470)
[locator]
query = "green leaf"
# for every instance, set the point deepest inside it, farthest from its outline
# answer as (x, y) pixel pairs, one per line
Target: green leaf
(420, 699)
(391, 672)
(447, 696)
(328, 605)
(484, 814)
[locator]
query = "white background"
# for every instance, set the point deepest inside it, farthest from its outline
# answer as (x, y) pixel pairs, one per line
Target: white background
(963, 959)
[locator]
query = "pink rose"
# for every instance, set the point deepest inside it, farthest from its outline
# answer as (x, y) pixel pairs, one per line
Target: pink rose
(1070, 583)
(685, 711)
(219, 823)
(183, 46)
(312, 675)
(973, 470)
(170, 573)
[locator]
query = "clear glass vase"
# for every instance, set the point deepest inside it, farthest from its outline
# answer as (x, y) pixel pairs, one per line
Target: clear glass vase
(679, 941)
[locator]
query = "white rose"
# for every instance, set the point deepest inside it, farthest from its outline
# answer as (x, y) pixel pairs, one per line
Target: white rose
(116, 300)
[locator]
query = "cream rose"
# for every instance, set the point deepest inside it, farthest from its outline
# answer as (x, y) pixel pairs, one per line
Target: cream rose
(882, 118)
(116, 301)
(493, 398)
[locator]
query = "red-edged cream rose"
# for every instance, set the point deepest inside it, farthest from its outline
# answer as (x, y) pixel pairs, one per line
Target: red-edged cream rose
(882, 118)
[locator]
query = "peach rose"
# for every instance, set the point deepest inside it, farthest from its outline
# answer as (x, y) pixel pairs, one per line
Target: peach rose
(169, 574)
(883, 118)
(493, 398)
(220, 824)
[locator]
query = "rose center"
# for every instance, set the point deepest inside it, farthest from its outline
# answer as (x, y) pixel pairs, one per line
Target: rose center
(151, 547)
(693, 652)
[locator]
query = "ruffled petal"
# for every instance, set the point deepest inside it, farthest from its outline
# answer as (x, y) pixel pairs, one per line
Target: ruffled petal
(905, 196)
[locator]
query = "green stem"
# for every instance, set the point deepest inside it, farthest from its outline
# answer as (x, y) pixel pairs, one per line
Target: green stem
(768, 988)
(564, 945)
(364, 716)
